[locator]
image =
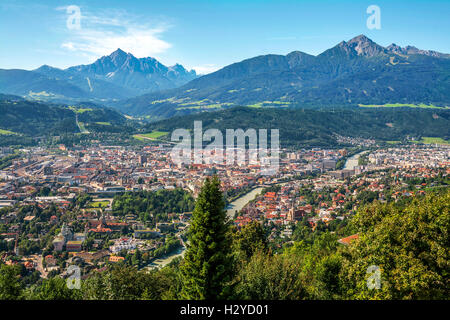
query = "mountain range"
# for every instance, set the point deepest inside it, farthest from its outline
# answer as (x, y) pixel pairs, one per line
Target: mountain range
(358, 71)
(116, 76)
(352, 73)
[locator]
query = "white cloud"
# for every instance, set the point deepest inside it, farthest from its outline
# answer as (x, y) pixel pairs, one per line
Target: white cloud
(206, 68)
(68, 46)
(103, 33)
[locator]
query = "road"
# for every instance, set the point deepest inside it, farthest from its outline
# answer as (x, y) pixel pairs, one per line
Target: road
(82, 130)
(162, 262)
(37, 259)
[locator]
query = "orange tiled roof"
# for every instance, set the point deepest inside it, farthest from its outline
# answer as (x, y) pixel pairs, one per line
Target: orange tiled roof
(348, 239)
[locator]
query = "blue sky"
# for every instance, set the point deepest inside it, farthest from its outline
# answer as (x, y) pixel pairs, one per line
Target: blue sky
(206, 35)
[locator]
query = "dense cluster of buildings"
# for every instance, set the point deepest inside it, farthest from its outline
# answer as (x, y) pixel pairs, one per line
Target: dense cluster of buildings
(334, 193)
(310, 188)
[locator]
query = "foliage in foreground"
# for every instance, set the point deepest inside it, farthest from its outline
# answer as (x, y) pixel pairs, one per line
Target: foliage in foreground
(409, 243)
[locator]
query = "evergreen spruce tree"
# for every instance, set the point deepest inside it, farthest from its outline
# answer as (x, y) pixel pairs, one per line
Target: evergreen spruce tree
(208, 264)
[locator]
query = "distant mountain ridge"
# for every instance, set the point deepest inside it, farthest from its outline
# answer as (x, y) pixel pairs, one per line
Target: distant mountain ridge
(358, 71)
(116, 76)
(413, 50)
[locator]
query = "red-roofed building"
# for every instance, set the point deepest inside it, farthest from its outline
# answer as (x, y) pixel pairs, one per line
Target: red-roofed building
(346, 241)
(116, 258)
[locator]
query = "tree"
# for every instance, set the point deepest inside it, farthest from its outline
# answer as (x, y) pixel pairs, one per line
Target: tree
(208, 265)
(127, 283)
(136, 258)
(250, 239)
(55, 289)
(10, 286)
(271, 277)
(327, 277)
(408, 245)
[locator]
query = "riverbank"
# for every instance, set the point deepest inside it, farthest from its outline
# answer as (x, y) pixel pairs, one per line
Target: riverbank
(243, 200)
(240, 202)
(352, 162)
(163, 261)
(237, 205)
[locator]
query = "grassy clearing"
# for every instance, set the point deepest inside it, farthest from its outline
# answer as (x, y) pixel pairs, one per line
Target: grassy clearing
(203, 105)
(150, 136)
(256, 105)
(79, 110)
(171, 100)
(209, 106)
(196, 103)
(42, 94)
(98, 204)
(434, 140)
(393, 142)
(401, 105)
(104, 123)
(154, 134)
(137, 137)
(7, 132)
(269, 104)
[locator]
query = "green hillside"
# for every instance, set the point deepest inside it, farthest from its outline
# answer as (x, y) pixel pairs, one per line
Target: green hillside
(22, 119)
(342, 75)
(307, 127)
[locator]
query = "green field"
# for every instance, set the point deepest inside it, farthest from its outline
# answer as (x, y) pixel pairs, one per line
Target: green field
(98, 204)
(401, 105)
(79, 110)
(150, 136)
(6, 132)
(256, 105)
(433, 140)
(209, 106)
(104, 123)
(269, 104)
(154, 134)
(393, 142)
(202, 104)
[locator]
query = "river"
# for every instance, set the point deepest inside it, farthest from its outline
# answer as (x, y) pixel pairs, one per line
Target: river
(240, 202)
(161, 262)
(237, 204)
(353, 161)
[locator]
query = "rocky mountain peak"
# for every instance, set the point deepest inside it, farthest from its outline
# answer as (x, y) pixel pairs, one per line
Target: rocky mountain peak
(365, 47)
